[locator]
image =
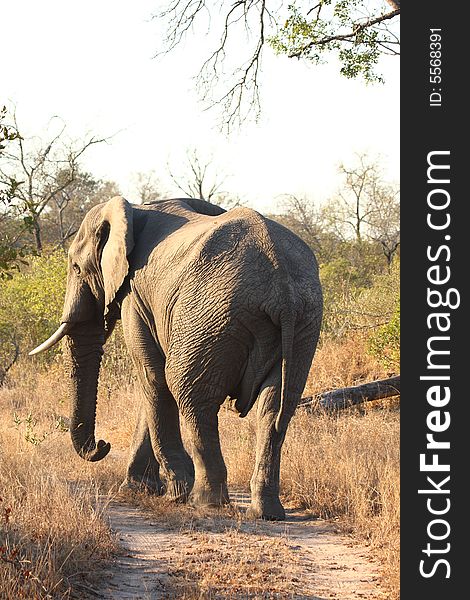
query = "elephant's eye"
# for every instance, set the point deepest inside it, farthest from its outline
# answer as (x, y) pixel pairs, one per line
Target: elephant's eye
(76, 268)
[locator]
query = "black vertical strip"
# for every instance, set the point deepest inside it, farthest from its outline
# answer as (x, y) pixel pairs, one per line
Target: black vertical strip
(435, 270)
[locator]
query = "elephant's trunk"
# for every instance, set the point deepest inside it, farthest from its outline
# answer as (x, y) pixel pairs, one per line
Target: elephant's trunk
(82, 359)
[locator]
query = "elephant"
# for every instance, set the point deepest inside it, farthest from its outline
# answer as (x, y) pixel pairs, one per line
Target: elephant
(214, 305)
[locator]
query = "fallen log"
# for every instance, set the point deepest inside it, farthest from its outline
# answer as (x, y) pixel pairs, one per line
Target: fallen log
(349, 396)
(343, 397)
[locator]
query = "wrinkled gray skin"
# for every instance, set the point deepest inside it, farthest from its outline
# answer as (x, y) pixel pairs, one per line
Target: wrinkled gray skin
(213, 304)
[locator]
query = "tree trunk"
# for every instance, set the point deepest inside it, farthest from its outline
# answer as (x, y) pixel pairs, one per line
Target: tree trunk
(37, 234)
(61, 227)
(349, 396)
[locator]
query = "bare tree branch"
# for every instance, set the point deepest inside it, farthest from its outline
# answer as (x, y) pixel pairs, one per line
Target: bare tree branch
(242, 97)
(300, 215)
(148, 186)
(48, 171)
(181, 16)
(198, 183)
(367, 205)
(363, 38)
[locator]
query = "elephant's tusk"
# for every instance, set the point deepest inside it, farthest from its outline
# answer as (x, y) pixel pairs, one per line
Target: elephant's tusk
(55, 337)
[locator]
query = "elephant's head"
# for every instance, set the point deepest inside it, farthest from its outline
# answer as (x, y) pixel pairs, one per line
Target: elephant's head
(97, 267)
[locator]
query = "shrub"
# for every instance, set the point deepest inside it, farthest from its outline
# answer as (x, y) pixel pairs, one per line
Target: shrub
(384, 344)
(31, 303)
(351, 306)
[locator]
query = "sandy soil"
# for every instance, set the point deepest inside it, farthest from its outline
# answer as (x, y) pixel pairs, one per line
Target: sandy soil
(223, 555)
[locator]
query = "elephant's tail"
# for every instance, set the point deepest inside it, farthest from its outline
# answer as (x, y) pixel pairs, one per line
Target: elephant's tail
(287, 322)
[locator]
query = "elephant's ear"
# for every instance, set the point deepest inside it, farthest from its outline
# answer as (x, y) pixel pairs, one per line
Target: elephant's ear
(117, 223)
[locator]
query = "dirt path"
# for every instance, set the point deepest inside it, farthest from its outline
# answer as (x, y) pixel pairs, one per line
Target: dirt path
(225, 556)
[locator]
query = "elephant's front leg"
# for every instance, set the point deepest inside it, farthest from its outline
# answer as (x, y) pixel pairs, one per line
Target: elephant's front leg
(161, 412)
(165, 435)
(143, 471)
(265, 502)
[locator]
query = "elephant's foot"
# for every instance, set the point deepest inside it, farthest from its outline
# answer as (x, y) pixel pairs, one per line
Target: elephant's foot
(178, 490)
(269, 509)
(144, 484)
(209, 496)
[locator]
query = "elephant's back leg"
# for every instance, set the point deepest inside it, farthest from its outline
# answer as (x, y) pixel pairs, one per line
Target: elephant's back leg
(199, 404)
(265, 502)
(201, 372)
(264, 484)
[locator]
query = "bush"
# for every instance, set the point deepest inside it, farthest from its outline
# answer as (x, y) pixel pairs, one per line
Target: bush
(385, 343)
(341, 285)
(377, 304)
(381, 312)
(31, 303)
(351, 304)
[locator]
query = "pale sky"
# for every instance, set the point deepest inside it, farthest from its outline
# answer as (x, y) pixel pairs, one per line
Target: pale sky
(92, 64)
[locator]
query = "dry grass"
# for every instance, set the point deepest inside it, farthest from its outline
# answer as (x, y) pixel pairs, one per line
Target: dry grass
(342, 363)
(347, 467)
(343, 467)
(52, 532)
